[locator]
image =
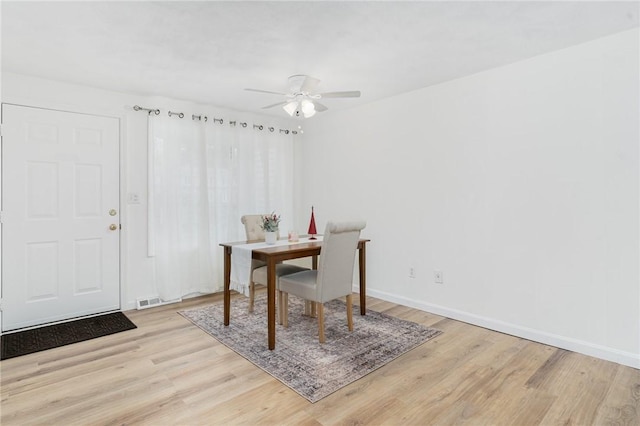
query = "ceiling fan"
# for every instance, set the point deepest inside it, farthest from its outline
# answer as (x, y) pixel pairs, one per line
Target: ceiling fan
(302, 100)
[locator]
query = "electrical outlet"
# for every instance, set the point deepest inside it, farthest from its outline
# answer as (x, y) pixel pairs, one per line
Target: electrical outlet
(412, 272)
(438, 277)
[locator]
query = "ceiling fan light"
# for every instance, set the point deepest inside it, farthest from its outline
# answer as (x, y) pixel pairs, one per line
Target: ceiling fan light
(308, 108)
(291, 107)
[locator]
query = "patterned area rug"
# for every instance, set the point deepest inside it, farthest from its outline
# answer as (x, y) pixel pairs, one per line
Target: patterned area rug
(53, 336)
(299, 361)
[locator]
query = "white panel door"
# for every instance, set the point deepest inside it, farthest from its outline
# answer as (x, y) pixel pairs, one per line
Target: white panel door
(60, 201)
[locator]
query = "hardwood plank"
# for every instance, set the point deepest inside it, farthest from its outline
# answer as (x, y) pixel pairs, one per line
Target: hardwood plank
(548, 370)
(168, 371)
(621, 405)
(580, 388)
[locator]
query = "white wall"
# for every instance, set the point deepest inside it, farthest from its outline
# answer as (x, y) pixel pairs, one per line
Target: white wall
(520, 183)
(137, 270)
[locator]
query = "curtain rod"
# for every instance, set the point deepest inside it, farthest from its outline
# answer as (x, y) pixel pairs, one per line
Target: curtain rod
(179, 114)
(139, 108)
(215, 120)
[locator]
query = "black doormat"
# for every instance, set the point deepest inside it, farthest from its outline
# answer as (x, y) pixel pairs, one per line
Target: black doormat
(53, 336)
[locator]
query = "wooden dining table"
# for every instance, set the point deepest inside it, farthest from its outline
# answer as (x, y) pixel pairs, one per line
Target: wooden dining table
(276, 254)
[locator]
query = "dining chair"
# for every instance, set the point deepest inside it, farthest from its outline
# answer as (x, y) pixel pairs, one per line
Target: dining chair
(332, 279)
(252, 226)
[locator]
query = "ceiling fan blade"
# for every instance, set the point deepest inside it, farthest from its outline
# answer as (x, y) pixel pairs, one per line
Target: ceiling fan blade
(265, 91)
(319, 106)
(309, 84)
(274, 105)
(350, 94)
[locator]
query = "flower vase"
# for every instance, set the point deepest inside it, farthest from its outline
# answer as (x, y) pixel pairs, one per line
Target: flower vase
(270, 237)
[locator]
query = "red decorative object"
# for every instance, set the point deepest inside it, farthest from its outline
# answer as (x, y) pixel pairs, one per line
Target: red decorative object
(312, 226)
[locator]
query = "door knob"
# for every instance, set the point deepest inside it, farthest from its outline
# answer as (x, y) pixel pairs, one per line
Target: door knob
(113, 226)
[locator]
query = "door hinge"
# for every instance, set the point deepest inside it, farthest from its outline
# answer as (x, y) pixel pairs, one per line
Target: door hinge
(1, 217)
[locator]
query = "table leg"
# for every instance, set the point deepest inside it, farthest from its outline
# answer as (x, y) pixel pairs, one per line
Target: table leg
(271, 302)
(227, 284)
(362, 256)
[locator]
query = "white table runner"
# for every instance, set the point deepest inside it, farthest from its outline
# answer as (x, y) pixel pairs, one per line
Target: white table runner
(241, 261)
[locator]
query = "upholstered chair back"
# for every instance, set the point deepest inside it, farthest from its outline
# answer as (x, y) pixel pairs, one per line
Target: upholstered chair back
(252, 226)
(335, 269)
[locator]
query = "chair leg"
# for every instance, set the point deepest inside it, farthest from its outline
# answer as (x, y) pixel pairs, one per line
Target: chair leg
(310, 308)
(320, 311)
(350, 312)
(252, 295)
(280, 306)
(285, 309)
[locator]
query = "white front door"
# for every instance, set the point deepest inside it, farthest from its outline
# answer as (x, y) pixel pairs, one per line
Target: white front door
(60, 215)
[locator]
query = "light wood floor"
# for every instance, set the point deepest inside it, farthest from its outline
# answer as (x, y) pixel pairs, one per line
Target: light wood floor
(169, 372)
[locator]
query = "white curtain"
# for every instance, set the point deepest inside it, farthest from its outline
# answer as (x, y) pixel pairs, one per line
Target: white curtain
(205, 176)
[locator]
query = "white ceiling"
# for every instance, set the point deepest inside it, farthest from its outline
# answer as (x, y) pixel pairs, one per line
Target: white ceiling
(208, 52)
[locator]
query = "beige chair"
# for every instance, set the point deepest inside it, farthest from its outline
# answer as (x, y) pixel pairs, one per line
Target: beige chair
(252, 226)
(334, 276)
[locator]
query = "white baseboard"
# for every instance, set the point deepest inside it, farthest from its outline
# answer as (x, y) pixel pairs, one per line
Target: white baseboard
(129, 306)
(603, 352)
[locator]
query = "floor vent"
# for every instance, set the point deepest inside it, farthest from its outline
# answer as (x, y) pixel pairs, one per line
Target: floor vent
(152, 302)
